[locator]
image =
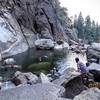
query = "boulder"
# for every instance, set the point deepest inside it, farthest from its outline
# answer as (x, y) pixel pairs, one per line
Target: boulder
(68, 75)
(44, 44)
(96, 46)
(9, 61)
(33, 92)
(90, 94)
(32, 78)
(78, 84)
(94, 66)
(61, 46)
(24, 78)
(94, 69)
(93, 51)
(73, 82)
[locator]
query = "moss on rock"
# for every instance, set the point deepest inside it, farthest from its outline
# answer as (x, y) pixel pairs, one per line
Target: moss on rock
(39, 67)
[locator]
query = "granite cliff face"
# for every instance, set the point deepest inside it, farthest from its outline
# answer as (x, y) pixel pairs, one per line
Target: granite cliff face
(24, 21)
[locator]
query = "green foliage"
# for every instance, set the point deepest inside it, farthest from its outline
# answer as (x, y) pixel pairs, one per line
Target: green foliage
(39, 67)
(62, 13)
(87, 30)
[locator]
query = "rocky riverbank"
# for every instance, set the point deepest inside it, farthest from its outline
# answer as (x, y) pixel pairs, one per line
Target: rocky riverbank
(69, 86)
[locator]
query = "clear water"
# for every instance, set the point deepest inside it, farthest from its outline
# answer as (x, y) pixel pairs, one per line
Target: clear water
(61, 59)
(33, 56)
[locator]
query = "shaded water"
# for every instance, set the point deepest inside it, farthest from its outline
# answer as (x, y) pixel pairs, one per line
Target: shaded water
(33, 56)
(58, 58)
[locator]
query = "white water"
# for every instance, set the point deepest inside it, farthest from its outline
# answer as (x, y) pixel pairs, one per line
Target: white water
(69, 61)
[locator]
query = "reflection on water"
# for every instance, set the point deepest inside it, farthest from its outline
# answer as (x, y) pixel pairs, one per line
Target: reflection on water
(69, 61)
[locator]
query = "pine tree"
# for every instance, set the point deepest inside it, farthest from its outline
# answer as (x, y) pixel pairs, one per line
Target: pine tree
(75, 21)
(93, 31)
(62, 13)
(87, 30)
(80, 26)
(97, 33)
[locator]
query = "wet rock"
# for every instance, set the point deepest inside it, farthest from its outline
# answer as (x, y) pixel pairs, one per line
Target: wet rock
(44, 44)
(90, 94)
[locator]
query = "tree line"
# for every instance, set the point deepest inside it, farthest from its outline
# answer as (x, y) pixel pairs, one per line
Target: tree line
(88, 29)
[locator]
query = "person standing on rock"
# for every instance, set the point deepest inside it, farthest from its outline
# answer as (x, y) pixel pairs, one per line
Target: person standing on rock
(80, 66)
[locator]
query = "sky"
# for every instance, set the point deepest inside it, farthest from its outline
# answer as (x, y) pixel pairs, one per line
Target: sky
(87, 7)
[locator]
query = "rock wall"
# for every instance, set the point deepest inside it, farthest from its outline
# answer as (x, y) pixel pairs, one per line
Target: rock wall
(34, 19)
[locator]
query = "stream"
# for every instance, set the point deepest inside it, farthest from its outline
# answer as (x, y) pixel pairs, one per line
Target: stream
(69, 61)
(62, 59)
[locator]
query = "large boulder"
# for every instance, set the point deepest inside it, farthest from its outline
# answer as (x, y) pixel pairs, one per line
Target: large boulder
(33, 92)
(68, 75)
(93, 51)
(24, 78)
(12, 40)
(73, 82)
(90, 94)
(44, 44)
(96, 46)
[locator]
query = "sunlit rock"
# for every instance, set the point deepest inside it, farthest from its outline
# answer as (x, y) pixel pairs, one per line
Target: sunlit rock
(44, 44)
